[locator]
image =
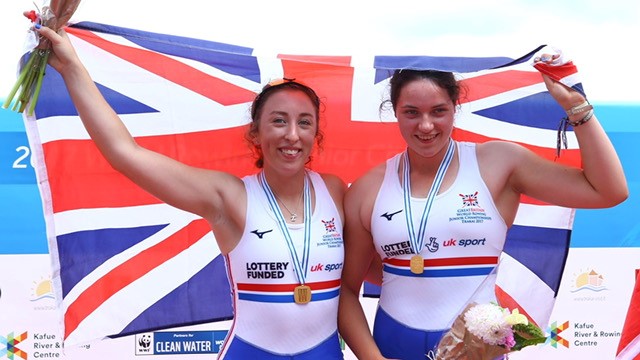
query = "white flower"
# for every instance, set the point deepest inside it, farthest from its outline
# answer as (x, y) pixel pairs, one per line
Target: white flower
(488, 322)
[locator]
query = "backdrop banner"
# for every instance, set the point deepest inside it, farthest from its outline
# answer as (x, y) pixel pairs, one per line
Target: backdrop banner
(120, 268)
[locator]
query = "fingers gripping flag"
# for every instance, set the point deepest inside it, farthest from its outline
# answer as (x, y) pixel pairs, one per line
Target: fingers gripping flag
(125, 263)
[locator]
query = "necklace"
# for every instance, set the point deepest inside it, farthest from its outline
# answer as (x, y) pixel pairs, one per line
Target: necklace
(293, 216)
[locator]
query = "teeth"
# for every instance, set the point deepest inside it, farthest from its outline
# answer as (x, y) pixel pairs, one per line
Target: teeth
(426, 137)
(289, 151)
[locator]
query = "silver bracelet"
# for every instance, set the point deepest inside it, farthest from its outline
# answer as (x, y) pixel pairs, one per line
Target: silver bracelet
(585, 106)
(583, 120)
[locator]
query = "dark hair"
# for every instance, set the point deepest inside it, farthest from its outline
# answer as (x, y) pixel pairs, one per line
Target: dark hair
(264, 95)
(443, 79)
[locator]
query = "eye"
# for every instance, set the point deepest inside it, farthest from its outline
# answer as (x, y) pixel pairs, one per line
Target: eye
(441, 111)
(305, 122)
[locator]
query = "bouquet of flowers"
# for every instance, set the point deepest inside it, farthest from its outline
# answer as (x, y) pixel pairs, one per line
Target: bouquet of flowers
(487, 331)
(54, 14)
(484, 330)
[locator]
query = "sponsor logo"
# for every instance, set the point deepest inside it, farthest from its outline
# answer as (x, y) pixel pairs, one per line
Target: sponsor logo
(143, 344)
(471, 212)
(555, 339)
(42, 295)
(330, 225)
(260, 234)
(326, 267)
(180, 342)
(46, 346)
(9, 346)
(404, 247)
(465, 242)
(589, 281)
(266, 270)
(432, 245)
(469, 200)
(588, 286)
(332, 237)
(390, 216)
(585, 334)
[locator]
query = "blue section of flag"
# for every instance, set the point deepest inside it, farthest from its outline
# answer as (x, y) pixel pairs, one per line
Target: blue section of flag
(541, 250)
(232, 59)
(527, 111)
(180, 304)
(54, 102)
(84, 251)
(385, 65)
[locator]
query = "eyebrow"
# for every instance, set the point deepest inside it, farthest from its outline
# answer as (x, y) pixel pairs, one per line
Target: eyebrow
(284, 113)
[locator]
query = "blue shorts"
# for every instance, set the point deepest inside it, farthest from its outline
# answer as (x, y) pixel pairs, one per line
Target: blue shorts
(397, 341)
(326, 350)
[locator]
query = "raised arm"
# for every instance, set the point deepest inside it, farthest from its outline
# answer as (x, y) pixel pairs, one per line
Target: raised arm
(599, 183)
(195, 190)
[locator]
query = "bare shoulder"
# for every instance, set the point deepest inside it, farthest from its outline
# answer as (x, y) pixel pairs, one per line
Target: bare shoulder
(501, 152)
(494, 147)
(334, 183)
(367, 184)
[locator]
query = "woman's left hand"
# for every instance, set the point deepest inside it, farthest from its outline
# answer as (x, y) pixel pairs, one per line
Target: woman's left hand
(564, 95)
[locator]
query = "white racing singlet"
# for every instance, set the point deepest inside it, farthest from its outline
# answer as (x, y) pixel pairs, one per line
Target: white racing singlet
(262, 276)
(465, 235)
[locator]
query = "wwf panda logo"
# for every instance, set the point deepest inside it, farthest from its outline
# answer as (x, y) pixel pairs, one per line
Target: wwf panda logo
(144, 341)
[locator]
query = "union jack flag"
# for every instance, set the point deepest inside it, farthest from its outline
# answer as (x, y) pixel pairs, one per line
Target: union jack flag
(126, 263)
(470, 199)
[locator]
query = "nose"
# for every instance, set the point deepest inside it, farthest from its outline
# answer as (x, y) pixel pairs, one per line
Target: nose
(292, 133)
(426, 123)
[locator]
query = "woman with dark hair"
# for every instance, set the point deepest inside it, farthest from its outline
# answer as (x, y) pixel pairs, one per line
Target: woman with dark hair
(403, 215)
(270, 226)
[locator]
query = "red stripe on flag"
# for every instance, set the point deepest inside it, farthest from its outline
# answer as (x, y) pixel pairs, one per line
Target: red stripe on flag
(80, 177)
(569, 157)
(495, 83)
(130, 271)
(202, 83)
(631, 328)
(506, 301)
(557, 72)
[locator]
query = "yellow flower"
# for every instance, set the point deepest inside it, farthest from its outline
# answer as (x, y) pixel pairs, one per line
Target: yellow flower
(516, 318)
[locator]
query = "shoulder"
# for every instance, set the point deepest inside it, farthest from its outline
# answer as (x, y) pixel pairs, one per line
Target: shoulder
(333, 182)
(368, 184)
(498, 150)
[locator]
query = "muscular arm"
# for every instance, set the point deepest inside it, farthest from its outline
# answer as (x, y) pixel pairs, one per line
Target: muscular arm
(599, 183)
(359, 253)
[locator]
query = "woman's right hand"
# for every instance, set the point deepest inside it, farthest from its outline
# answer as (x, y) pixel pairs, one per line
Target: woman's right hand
(63, 55)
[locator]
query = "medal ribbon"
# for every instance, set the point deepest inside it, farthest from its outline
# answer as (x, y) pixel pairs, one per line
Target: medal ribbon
(417, 241)
(300, 265)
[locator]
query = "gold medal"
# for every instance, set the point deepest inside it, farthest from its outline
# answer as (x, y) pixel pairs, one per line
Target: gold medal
(302, 294)
(417, 265)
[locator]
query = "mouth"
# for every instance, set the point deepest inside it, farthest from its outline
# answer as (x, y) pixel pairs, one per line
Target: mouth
(426, 138)
(290, 152)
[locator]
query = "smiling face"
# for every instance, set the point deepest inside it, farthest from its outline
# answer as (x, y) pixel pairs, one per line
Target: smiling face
(286, 131)
(425, 114)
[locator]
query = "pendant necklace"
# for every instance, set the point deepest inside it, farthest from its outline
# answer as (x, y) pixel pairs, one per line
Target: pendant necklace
(301, 293)
(416, 240)
(293, 215)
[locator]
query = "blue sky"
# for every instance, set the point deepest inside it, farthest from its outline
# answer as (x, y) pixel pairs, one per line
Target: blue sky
(597, 35)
